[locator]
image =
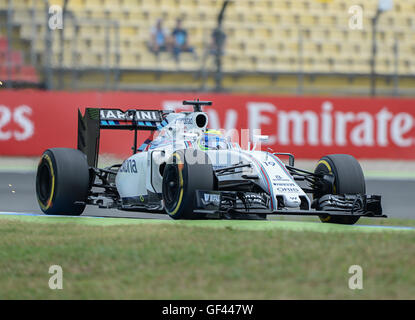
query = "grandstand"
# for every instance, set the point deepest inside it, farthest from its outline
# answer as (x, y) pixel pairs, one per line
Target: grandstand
(272, 46)
(13, 66)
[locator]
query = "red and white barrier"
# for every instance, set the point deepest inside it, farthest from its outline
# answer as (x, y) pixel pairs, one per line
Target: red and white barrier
(309, 127)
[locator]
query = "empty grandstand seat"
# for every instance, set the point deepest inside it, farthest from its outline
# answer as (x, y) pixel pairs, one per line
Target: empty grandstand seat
(262, 35)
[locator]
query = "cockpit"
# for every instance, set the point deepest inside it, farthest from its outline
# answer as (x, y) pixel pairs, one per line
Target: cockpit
(212, 140)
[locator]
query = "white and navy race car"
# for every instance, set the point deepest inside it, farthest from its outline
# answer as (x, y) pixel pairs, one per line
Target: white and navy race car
(191, 172)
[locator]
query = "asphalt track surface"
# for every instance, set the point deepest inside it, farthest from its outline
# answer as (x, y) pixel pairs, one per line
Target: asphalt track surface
(17, 194)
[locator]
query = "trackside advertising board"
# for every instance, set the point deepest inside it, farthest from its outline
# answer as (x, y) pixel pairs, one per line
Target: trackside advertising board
(309, 127)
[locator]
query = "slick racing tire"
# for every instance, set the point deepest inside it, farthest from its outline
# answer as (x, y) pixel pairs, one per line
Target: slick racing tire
(348, 179)
(62, 181)
(186, 171)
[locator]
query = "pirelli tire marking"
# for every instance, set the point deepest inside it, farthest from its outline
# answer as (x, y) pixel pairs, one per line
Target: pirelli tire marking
(52, 191)
(324, 162)
(180, 166)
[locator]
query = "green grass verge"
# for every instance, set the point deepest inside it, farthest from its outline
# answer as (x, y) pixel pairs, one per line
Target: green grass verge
(381, 174)
(164, 260)
(294, 223)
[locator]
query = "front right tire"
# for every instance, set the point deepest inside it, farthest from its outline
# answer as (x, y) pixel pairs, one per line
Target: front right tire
(348, 179)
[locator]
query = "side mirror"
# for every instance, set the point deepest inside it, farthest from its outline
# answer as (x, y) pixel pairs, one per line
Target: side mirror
(290, 157)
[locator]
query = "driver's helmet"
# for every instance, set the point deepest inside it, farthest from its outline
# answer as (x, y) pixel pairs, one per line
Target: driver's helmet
(212, 140)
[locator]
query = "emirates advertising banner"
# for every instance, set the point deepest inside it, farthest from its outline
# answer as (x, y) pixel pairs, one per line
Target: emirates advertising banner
(32, 121)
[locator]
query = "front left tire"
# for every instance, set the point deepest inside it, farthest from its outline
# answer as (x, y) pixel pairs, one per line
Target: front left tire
(186, 171)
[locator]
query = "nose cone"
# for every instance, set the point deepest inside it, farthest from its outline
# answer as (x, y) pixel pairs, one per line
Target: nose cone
(292, 201)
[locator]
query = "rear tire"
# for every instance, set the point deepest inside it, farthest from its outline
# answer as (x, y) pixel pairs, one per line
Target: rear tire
(348, 179)
(62, 179)
(181, 177)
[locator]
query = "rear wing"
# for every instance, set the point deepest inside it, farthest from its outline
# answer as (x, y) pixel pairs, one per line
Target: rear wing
(95, 119)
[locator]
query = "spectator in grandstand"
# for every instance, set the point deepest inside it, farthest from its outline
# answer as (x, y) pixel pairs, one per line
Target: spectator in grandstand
(159, 40)
(180, 40)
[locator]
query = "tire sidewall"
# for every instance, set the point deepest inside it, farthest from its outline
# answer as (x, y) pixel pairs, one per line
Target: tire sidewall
(349, 180)
(177, 163)
(192, 176)
(69, 181)
(49, 161)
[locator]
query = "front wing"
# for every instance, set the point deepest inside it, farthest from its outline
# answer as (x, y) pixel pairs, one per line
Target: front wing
(226, 202)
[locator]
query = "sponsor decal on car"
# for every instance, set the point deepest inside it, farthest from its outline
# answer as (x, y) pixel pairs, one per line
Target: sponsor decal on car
(288, 184)
(279, 178)
(207, 200)
(129, 166)
(211, 198)
(288, 190)
(140, 115)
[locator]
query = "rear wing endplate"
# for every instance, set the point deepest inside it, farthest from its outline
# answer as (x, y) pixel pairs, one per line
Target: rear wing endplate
(95, 119)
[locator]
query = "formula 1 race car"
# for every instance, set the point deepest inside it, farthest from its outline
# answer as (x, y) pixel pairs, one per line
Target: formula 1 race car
(191, 172)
